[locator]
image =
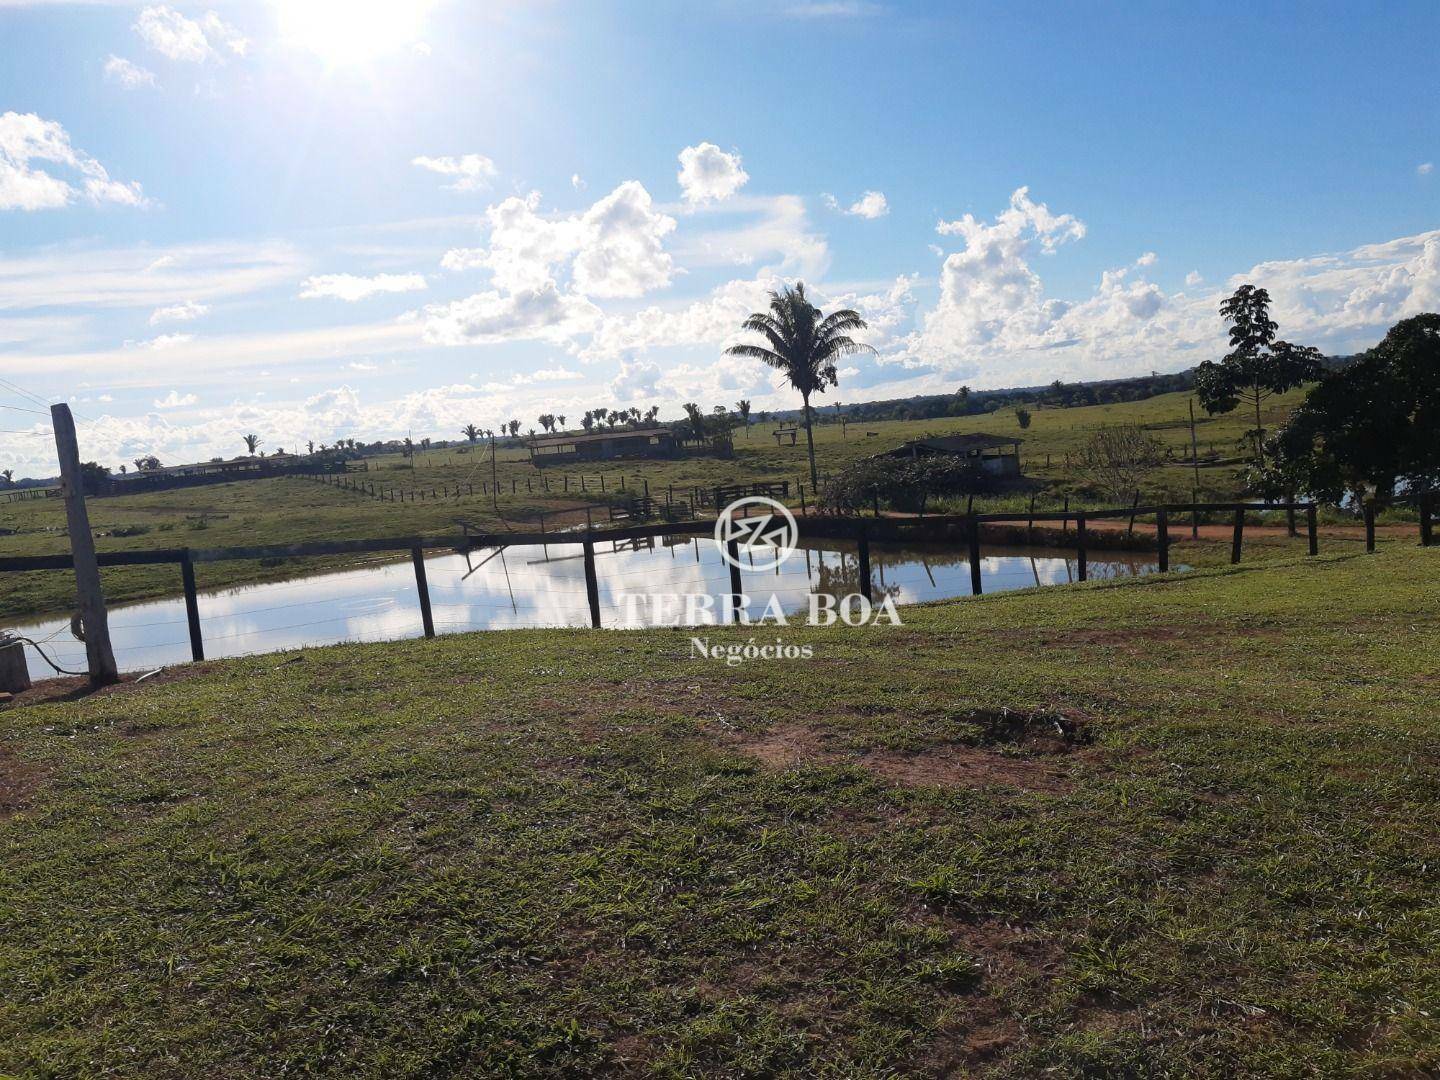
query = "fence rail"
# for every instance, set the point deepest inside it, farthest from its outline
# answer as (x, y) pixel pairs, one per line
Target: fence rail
(861, 530)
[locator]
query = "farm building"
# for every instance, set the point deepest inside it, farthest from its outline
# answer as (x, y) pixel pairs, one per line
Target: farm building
(604, 446)
(997, 455)
(209, 472)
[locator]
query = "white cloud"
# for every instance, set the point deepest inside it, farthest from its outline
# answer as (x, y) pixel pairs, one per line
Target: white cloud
(130, 76)
(186, 311)
(1148, 259)
(174, 400)
(637, 379)
(26, 138)
(471, 172)
(1193, 278)
(541, 313)
(778, 241)
(163, 341)
(870, 205)
(186, 40)
(578, 182)
(709, 174)
(1425, 168)
(622, 245)
(351, 287)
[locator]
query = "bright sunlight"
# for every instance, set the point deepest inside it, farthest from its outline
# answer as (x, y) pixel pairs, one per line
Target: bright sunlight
(345, 32)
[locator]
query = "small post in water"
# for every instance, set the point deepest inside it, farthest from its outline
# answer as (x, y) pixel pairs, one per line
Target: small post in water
(972, 526)
(1082, 560)
(863, 542)
(192, 606)
(417, 556)
(733, 550)
(592, 583)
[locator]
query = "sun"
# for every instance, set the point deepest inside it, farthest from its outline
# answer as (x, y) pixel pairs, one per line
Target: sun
(343, 32)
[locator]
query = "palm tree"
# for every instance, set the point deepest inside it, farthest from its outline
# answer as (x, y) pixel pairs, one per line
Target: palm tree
(697, 419)
(600, 414)
(743, 408)
(252, 442)
(561, 421)
(514, 426)
(9, 476)
(652, 414)
(471, 432)
(588, 421)
(803, 344)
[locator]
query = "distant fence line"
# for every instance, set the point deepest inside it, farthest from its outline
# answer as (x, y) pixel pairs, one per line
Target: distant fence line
(942, 528)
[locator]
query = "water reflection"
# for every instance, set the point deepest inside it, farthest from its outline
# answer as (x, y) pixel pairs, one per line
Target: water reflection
(545, 586)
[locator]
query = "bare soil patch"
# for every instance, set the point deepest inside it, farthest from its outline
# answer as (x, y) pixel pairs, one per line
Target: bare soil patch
(18, 783)
(1011, 749)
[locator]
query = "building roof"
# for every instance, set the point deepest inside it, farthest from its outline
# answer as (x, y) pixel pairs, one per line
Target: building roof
(210, 466)
(958, 444)
(600, 436)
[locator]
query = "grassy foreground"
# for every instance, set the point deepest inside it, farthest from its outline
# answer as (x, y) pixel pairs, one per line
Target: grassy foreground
(1206, 846)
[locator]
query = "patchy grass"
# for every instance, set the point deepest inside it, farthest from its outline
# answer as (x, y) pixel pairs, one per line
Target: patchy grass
(1181, 827)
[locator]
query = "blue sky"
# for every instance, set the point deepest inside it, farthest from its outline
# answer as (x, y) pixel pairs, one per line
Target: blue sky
(316, 219)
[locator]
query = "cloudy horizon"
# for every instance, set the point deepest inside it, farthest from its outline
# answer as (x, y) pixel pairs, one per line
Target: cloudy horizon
(248, 219)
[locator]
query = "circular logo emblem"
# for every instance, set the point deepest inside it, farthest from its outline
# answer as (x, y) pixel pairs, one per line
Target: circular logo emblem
(764, 532)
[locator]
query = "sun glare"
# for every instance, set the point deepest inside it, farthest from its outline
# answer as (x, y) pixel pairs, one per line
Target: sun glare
(344, 32)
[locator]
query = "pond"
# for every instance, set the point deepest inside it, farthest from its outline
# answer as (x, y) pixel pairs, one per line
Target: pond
(544, 586)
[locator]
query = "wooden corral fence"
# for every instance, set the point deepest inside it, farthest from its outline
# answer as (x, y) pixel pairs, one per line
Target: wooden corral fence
(960, 528)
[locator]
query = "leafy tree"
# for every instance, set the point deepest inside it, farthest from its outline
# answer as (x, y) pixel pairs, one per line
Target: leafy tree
(310, 446)
(561, 421)
(146, 464)
(1257, 366)
(588, 420)
(804, 345)
(547, 421)
(652, 414)
(697, 419)
(514, 427)
(1117, 457)
(962, 399)
(8, 475)
(1369, 429)
(902, 483)
(471, 432)
(1022, 417)
(93, 477)
(409, 450)
(252, 443)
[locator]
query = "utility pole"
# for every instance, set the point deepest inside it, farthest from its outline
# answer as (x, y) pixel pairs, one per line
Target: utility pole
(494, 483)
(91, 600)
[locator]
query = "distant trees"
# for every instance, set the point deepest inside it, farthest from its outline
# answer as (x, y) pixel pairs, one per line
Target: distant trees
(147, 463)
(696, 418)
(588, 420)
(1022, 417)
(1257, 366)
(804, 345)
(652, 414)
(547, 421)
(1116, 458)
(471, 432)
(962, 400)
(513, 427)
(310, 446)
(93, 477)
(252, 443)
(743, 408)
(8, 476)
(1368, 430)
(560, 420)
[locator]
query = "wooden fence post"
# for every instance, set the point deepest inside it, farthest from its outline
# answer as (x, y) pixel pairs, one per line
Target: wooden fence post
(733, 550)
(1369, 527)
(192, 607)
(973, 528)
(1312, 528)
(1239, 536)
(1134, 506)
(1082, 559)
(803, 510)
(1426, 525)
(592, 583)
(1162, 538)
(864, 544)
(417, 556)
(90, 597)
(1065, 521)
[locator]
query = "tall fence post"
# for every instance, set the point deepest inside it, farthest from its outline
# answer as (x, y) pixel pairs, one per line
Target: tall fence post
(863, 541)
(972, 527)
(1162, 538)
(192, 606)
(1426, 525)
(1239, 536)
(1081, 557)
(1369, 527)
(1312, 528)
(91, 598)
(417, 556)
(732, 549)
(592, 583)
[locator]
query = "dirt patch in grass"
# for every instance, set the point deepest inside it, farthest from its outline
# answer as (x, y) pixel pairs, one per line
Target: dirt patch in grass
(73, 688)
(983, 762)
(18, 783)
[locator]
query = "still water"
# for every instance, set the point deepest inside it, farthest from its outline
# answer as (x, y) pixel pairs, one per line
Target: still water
(544, 586)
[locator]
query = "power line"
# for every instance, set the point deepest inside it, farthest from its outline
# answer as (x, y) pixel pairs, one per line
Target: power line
(17, 408)
(36, 398)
